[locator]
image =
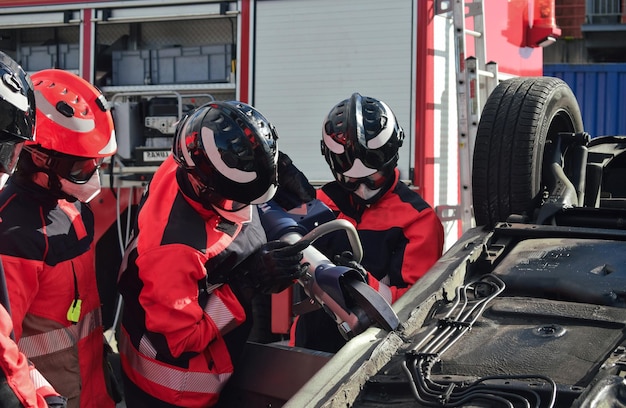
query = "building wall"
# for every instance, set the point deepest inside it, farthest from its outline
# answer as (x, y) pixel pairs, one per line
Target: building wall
(570, 15)
(601, 93)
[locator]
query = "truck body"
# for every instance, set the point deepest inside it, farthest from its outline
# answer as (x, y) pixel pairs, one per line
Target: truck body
(291, 59)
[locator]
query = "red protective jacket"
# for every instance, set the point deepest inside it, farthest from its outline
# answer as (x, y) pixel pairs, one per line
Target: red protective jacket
(27, 385)
(48, 255)
(180, 338)
(401, 236)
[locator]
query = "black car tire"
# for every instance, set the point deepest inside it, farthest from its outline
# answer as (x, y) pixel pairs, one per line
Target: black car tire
(518, 117)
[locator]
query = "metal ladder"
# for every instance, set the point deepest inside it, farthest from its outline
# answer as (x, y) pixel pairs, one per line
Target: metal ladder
(475, 80)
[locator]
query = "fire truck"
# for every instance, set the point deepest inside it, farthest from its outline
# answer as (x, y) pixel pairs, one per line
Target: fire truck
(434, 62)
(293, 60)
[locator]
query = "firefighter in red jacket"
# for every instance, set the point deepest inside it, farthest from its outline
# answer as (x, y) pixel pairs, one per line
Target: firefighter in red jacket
(21, 385)
(401, 235)
(47, 234)
(198, 256)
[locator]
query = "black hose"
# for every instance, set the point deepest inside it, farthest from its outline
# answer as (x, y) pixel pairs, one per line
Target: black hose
(420, 360)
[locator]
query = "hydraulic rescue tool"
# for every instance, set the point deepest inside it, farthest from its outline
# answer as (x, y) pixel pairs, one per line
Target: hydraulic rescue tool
(340, 290)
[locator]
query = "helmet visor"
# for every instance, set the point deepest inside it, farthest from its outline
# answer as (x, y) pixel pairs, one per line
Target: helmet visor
(210, 197)
(373, 181)
(73, 168)
(9, 153)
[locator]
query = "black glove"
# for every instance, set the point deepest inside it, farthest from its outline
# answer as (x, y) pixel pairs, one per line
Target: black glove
(55, 401)
(346, 258)
(275, 266)
(294, 188)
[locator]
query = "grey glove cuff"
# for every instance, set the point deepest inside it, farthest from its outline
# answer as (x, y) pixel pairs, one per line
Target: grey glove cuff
(56, 401)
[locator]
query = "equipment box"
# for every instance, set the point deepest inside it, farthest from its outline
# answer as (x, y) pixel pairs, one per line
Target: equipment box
(178, 65)
(181, 65)
(131, 67)
(38, 57)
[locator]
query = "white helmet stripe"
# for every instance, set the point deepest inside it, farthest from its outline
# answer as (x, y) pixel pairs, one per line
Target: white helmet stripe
(333, 146)
(359, 170)
(359, 127)
(183, 146)
(240, 176)
(111, 146)
(74, 123)
(266, 196)
(386, 133)
(14, 98)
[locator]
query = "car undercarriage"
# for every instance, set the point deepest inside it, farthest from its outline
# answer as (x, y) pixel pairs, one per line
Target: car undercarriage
(526, 309)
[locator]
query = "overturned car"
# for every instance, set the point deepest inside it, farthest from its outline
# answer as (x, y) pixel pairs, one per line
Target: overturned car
(527, 309)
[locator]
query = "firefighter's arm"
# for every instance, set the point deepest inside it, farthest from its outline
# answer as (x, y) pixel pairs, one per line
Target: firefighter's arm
(170, 276)
(294, 188)
(45, 390)
(272, 268)
(22, 276)
(424, 247)
(28, 385)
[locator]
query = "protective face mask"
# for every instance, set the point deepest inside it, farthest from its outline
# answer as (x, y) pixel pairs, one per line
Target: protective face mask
(365, 193)
(241, 216)
(82, 192)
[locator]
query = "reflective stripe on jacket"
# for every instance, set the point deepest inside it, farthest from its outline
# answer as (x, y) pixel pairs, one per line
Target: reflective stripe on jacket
(25, 381)
(193, 388)
(52, 341)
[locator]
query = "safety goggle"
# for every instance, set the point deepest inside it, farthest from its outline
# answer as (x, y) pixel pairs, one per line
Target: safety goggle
(73, 168)
(373, 181)
(210, 196)
(9, 153)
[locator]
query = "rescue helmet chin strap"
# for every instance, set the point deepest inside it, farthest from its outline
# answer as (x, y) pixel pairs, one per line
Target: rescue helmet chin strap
(28, 171)
(51, 181)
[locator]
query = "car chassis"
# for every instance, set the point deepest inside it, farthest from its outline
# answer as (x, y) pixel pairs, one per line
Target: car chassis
(527, 309)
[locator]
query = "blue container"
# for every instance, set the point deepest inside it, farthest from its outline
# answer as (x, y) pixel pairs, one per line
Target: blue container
(601, 93)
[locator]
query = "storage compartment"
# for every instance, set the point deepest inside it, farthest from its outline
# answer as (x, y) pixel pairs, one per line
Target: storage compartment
(177, 65)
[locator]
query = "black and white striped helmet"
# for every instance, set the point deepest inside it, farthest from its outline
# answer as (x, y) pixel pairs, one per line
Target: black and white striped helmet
(17, 113)
(230, 148)
(360, 139)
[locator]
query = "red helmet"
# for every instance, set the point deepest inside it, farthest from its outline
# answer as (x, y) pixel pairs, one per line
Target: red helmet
(68, 109)
(74, 131)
